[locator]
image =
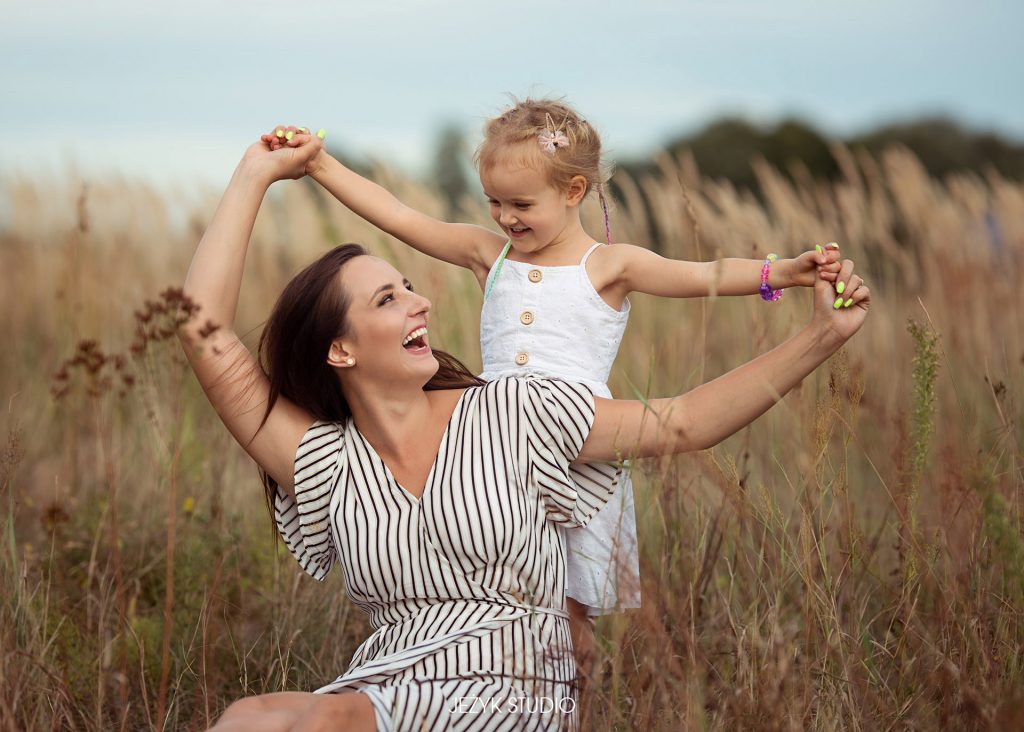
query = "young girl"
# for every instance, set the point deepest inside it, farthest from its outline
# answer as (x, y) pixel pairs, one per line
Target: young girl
(555, 301)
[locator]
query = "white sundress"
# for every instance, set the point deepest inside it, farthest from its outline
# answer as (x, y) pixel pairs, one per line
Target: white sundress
(464, 586)
(550, 321)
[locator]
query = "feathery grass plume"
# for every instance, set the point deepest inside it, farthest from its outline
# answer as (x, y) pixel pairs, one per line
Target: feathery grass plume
(11, 456)
(926, 371)
(922, 412)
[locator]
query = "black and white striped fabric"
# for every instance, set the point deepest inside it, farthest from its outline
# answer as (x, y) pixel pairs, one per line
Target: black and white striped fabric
(464, 586)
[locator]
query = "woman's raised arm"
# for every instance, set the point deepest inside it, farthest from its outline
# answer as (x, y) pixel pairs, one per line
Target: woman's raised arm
(705, 416)
(229, 374)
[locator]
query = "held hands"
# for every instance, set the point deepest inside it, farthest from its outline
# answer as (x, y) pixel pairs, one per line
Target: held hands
(840, 308)
(292, 155)
(822, 261)
(290, 136)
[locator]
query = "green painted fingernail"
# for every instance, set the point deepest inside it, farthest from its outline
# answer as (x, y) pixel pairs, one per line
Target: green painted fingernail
(279, 133)
(833, 245)
(841, 287)
(321, 133)
(838, 303)
(303, 130)
(289, 136)
(818, 247)
(848, 303)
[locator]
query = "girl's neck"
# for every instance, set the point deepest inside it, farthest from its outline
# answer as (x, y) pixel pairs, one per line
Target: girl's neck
(566, 249)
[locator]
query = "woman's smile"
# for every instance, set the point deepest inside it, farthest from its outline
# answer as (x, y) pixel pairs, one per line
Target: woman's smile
(415, 343)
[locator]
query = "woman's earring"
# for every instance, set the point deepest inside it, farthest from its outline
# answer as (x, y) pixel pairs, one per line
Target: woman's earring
(350, 361)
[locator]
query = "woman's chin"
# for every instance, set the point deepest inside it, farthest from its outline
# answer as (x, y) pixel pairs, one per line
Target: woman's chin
(432, 365)
(424, 364)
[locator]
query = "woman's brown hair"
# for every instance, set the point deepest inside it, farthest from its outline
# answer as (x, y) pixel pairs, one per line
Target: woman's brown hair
(309, 314)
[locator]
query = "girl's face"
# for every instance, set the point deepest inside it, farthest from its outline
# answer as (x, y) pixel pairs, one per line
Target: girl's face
(387, 331)
(529, 209)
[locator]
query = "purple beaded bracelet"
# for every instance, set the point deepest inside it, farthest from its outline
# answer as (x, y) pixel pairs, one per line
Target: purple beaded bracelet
(767, 293)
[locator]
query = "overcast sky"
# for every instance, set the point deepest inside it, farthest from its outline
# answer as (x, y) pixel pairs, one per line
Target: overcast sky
(175, 91)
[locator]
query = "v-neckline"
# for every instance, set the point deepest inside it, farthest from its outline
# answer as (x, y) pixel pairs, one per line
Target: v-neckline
(392, 480)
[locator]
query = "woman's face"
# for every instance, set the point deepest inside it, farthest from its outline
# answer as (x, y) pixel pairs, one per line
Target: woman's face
(387, 325)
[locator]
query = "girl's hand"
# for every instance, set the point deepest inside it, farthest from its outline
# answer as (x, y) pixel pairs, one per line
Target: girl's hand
(821, 262)
(840, 310)
(285, 136)
(280, 162)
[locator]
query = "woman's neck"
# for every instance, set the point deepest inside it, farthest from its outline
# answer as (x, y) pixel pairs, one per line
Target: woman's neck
(393, 420)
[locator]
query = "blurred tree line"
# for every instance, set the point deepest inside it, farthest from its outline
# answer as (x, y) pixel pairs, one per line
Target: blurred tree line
(725, 148)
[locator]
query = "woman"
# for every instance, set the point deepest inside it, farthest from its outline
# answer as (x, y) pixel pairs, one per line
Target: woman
(439, 496)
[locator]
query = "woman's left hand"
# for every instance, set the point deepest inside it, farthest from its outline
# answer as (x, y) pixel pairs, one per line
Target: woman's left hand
(840, 309)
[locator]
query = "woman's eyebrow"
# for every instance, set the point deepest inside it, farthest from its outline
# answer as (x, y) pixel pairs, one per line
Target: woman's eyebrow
(389, 286)
(379, 290)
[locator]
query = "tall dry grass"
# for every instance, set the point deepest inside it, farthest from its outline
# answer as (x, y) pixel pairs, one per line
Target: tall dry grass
(852, 560)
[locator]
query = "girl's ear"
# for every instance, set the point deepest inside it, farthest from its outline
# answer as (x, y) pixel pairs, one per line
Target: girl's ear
(577, 190)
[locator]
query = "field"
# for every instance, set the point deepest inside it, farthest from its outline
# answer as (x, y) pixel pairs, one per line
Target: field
(852, 560)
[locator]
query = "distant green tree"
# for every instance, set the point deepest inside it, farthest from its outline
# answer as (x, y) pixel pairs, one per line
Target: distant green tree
(450, 165)
(795, 141)
(943, 146)
(725, 149)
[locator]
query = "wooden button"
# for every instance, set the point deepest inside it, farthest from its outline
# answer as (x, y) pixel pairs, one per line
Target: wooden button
(526, 318)
(535, 275)
(522, 357)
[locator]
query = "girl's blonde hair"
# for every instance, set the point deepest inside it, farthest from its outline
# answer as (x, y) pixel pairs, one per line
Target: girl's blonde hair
(524, 122)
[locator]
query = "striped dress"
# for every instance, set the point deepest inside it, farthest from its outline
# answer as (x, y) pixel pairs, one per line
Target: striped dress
(465, 585)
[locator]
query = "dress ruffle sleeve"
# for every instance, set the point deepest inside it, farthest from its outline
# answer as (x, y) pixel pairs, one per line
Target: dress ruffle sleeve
(559, 415)
(304, 521)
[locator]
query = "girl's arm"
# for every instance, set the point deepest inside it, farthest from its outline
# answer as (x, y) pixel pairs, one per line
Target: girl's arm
(465, 245)
(705, 416)
(227, 371)
(635, 269)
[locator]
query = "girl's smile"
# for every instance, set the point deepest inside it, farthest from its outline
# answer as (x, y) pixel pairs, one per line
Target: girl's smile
(531, 211)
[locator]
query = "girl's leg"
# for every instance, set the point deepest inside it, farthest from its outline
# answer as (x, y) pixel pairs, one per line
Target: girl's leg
(581, 628)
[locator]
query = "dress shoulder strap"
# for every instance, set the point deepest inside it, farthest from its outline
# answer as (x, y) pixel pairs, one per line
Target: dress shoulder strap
(497, 268)
(586, 254)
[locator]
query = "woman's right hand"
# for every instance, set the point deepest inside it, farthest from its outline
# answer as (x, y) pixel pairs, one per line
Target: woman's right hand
(283, 162)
